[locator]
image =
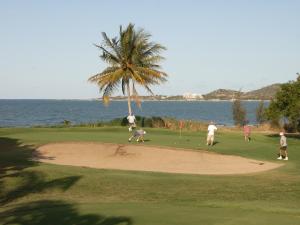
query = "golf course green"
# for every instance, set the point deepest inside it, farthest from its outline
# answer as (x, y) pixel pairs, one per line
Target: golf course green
(34, 193)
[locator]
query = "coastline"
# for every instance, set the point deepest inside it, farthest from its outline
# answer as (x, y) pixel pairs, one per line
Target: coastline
(125, 100)
(200, 100)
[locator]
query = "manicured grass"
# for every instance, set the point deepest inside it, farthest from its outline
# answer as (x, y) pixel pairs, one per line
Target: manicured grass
(37, 193)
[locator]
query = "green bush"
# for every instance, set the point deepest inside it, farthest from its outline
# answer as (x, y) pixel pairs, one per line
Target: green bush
(260, 113)
(147, 122)
(158, 122)
(286, 104)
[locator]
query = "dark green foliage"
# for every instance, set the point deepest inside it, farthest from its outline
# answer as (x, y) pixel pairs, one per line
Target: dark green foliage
(67, 122)
(147, 122)
(238, 111)
(140, 122)
(124, 121)
(151, 122)
(260, 113)
(286, 106)
(114, 122)
(272, 114)
(158, 121)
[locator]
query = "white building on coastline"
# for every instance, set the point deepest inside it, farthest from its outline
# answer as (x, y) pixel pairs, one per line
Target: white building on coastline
(192, 96)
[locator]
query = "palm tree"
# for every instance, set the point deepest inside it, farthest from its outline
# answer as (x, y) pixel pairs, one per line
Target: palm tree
(132, 60)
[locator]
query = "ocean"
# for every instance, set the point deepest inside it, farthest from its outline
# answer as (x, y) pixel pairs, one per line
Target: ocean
(27, 113)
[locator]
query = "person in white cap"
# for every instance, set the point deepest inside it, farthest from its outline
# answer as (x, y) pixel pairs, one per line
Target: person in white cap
(283, 147)
(211, 134)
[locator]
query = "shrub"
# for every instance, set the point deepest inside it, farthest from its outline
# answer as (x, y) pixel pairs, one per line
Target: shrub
(157, 122)
(286, 104)
(66, 122)
(124, 121)
(260, 113)
(238, 111)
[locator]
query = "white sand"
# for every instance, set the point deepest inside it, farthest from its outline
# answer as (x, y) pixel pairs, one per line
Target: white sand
(144, 158)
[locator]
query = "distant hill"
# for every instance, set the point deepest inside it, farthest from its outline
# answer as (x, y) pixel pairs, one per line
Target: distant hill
(222, 94)
(265, 93)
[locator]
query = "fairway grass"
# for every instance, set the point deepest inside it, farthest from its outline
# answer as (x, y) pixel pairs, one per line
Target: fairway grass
(39, 193)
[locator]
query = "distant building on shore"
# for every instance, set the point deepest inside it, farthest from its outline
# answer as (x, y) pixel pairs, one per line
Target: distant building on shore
(192, 96)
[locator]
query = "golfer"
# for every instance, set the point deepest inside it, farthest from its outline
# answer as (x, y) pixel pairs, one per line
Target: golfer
(139, 135)
(247, 132)
(131, 120)
(283, 147)
(211, 134)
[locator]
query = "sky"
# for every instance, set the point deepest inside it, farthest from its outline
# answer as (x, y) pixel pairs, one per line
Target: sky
(47, 51)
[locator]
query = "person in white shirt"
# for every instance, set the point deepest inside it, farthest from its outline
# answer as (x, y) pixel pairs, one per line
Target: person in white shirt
(131, 121)
(283, 147)
(211, 134)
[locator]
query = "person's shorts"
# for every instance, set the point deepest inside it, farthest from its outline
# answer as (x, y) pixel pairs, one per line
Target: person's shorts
(210, 137)
(283, 148)
(132, 124)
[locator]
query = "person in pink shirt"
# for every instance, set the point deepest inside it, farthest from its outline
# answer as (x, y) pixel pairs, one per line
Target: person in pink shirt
(247, 132)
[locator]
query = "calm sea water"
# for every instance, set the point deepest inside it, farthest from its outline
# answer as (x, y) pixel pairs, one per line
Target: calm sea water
(24, 113)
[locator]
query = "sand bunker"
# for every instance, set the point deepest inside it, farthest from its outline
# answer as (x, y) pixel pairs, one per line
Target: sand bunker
(143, 158)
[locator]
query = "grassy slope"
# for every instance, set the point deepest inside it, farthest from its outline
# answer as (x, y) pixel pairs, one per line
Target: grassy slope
(33, 193)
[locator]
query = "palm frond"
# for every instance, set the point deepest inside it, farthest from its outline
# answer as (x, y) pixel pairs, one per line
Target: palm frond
(126, 41)
(152, 59)
(148, 89)
(105, 72)
(112, 44)
(110, 77)
(110, 88)
(135, 76)
(108, 56)
(152, 74)
(153, 49)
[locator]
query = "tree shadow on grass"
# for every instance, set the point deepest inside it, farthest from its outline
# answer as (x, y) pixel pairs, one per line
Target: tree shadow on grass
(58, 213)
(16, 165)
(34, 182)
(15, 158)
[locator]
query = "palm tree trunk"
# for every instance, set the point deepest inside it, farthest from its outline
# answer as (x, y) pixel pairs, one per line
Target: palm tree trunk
(129, 99)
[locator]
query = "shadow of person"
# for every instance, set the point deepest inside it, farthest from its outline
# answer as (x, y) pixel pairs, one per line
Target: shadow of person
(56, 212)
(215, 143)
